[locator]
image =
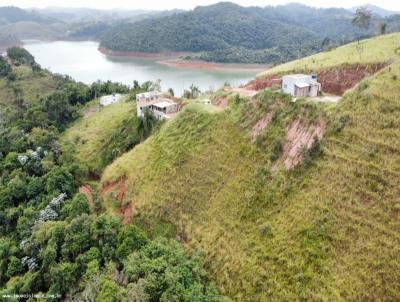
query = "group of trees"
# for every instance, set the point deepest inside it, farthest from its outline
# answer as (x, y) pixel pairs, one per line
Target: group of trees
(19, 55)
(53, 243)
(5, 68)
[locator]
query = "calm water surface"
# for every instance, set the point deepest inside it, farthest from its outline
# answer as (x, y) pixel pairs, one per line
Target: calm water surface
(83, 62)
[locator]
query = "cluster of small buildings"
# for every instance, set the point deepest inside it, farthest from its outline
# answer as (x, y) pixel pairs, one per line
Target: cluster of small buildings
(301, 85)
(161, 107)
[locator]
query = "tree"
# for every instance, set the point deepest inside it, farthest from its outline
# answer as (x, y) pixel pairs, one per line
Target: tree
(130, 238)
(147, 123)
(171, 92)
(193, 93)
(20, 55)
(60, 180)
(362, 19)
(382, 28)
(5, 68)
(156, 85)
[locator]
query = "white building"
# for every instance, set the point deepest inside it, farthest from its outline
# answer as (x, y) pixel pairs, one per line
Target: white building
(156, 103)
(163, 109)
(301, 85)
(146, 99)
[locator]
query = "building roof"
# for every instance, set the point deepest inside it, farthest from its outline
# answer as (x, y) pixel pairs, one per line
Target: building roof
(302, 85)
(148, 94)
(163, 104)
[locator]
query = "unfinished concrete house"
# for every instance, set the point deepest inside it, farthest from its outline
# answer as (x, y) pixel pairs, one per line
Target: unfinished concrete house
(164, 109)
(301, 85)
(161, 107)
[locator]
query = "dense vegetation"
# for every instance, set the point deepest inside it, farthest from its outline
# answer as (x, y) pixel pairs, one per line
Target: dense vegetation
(226, 32)
(53, 240)
(325, 230)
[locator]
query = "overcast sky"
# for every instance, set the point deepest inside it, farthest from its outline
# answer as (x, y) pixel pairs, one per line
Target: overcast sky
(189, 4)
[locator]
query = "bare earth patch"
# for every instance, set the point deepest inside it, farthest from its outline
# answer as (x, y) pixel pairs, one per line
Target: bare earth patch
(222, 103)
(243, 91)
(120, 187)
(261, 125)
(88, 192)
(299, 136)
(335, 80)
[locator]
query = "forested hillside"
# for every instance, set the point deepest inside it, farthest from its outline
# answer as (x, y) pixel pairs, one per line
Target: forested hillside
(289, 200)
(55, 243)
(226, 32)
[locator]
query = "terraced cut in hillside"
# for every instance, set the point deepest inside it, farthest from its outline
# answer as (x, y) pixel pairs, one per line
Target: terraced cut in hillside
(334, 80)
(327, 229)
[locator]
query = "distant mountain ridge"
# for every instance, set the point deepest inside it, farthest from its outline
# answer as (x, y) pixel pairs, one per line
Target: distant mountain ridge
(227, 32)
(377, 10)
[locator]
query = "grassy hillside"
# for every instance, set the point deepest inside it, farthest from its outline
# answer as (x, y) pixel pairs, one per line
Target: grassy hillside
(26, 90)
(90, 135)
(325, 230)
(375, 50)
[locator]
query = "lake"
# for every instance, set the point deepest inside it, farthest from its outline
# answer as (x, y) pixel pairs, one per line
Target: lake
(83, 62)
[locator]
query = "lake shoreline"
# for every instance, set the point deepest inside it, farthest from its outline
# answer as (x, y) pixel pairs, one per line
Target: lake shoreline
(175, 60)
(83, 61)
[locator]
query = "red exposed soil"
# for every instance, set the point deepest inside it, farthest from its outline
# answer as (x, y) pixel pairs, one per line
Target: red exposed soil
(334, 80)
(261, 125)
(137, 54)
(127, 213)
(244, 91)
(198, 64)
(222, 103)
(88, 191)
(299, 135)
(125, 210)
(174, 59)
(109, 186)
(268, 82)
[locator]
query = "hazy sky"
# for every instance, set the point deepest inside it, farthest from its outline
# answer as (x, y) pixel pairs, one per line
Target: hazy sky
(188, 4)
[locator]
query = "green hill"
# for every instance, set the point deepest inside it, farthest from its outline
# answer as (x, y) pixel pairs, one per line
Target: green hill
(375, 50)
(226, 32)
(17, 24)
(289, 201)
(91, 136)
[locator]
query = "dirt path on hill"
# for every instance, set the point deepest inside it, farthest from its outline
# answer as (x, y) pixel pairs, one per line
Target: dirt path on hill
(120, 187)
(88, 192)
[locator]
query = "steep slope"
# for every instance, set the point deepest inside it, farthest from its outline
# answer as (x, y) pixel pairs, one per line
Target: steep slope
(326, 229)
(91, 137)
(25, 90)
